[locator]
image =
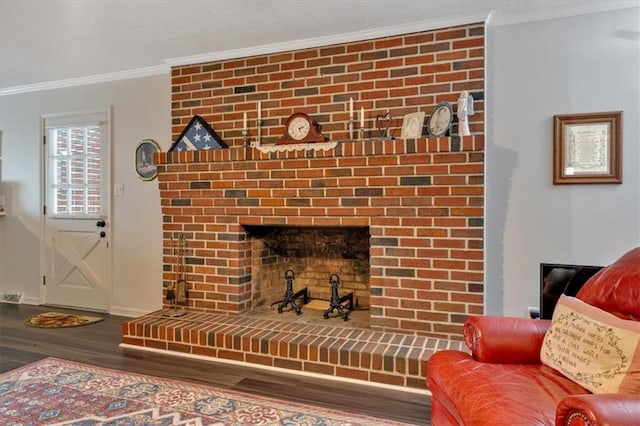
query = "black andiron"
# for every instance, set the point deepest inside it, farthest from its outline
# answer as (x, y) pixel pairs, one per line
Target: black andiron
(337, 301)
(290, 297)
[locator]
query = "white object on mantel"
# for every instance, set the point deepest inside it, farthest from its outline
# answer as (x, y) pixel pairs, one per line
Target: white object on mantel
(465, 109)
(320, 146)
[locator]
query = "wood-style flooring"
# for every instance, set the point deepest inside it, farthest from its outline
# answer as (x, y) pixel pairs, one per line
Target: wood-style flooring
(97, 344)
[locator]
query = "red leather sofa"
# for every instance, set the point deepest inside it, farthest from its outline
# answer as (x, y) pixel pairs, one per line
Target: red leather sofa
(503, 382)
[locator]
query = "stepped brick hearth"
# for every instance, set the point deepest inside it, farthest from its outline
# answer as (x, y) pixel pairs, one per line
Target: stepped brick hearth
(400, 221)
(358, 354)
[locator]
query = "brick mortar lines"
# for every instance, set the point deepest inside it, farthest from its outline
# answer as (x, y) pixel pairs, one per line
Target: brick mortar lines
(463, 46)
(224, 159)
(380, 350)
(428, 82)
(224, 325)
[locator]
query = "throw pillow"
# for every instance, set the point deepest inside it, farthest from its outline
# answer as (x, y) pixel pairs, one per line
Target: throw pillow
(594, 348)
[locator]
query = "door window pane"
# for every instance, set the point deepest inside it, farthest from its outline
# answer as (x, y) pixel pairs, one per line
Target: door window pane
(75, 171)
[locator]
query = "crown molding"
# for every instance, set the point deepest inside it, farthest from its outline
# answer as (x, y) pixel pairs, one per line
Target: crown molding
(491, 19)
(91, 79)
(250, 51)
(308, 43)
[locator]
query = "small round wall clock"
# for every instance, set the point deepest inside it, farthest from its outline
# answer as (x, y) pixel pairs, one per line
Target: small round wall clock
(301, 128)
(440, 120)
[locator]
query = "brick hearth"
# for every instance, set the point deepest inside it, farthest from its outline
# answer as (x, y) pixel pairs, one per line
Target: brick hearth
(351, 353)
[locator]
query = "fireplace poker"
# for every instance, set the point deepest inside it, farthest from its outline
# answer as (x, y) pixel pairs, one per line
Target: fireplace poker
(171, 291)
(181, 287)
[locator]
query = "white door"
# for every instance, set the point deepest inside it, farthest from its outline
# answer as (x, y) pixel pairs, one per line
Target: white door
(77, 272)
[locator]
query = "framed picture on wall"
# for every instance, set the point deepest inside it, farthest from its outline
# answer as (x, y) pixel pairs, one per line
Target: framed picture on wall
(144, 165)
(412, 125)
(587, 148)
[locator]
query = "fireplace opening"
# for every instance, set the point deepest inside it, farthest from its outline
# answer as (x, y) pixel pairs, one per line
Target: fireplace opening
(308, 261)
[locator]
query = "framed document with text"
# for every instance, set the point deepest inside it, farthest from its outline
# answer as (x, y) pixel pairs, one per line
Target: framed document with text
(587, 148)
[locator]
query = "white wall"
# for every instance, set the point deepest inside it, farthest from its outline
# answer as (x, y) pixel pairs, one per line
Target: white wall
(141, 109)
(581, 64)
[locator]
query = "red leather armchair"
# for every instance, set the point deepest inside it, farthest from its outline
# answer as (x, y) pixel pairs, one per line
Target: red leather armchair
(503, 382)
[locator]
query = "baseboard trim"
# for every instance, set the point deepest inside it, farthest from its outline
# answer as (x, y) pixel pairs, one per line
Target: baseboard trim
(126, 312)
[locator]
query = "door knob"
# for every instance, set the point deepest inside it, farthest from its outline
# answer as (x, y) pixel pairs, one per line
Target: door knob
(101, 223)
(103, 234)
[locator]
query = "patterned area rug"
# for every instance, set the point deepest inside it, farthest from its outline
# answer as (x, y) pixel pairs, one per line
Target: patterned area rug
(59, 320)
(57, 392)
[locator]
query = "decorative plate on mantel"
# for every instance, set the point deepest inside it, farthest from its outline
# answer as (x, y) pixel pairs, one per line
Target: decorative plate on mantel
(440, 120)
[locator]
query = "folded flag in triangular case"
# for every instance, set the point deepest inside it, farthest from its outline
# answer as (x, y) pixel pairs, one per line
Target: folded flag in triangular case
(197, 136)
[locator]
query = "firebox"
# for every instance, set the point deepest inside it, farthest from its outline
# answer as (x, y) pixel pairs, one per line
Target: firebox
(313, 255)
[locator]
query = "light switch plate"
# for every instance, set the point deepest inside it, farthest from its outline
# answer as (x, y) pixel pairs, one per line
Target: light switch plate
(118, 190)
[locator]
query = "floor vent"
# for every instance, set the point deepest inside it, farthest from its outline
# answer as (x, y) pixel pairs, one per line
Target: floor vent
(10, 297)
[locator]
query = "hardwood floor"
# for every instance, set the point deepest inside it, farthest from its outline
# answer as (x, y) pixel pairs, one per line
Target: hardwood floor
(97, 344)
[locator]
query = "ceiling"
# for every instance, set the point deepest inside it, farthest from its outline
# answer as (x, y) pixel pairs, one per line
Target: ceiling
(45, 41)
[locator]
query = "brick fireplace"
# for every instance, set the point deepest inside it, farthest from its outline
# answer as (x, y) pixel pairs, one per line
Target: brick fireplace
(414, 207)
(419, 200)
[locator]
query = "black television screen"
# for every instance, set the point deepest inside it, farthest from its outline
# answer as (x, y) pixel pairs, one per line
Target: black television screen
(557, 279)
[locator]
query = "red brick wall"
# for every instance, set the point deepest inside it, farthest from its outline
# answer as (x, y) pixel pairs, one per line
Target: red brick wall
(400, 74)
(422, 200)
